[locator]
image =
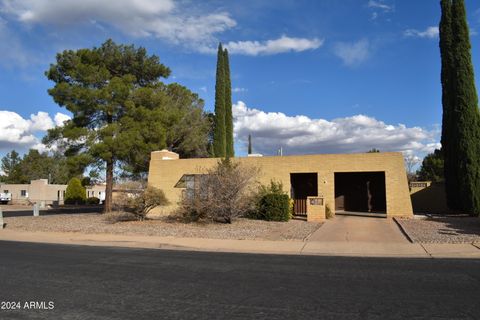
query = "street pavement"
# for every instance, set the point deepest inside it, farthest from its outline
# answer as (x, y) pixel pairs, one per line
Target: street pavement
(85, 282)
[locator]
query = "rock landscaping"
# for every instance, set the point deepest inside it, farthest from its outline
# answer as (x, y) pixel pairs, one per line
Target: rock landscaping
(166, 226)
(442, 229)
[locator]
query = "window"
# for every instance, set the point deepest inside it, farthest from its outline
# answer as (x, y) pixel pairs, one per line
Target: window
(191, 183)
(5, 191)
(23, 193)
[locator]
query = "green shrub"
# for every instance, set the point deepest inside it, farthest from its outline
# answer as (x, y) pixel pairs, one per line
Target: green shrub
(274, 207)
(92, 200)
(75, 193)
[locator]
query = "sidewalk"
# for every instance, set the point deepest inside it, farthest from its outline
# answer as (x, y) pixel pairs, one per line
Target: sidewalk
(330, 248)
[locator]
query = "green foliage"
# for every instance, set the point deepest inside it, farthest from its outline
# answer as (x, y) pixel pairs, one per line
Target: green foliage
(461, 117)
(223, 121)
(75, 193)
(36, 165)
(121, 110)
(274, 207)
(270, 203)
(92, 200)
(373, 150)
(229, 147)
(432, 167)
(11, 166)
(219, 133)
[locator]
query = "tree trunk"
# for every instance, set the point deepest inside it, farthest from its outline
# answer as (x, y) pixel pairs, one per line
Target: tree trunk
(109, 187)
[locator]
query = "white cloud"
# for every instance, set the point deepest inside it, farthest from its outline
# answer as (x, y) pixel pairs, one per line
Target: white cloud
(239, 90)
(380, 5)
(60, 118)
(140, 18)
(430, 32)
(352, 53)
(280, 45)
(303, 135)
(17, 132)
(173, 22)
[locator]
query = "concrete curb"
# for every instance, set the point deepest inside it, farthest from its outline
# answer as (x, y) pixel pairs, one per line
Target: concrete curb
(403, 230)
(317, 248)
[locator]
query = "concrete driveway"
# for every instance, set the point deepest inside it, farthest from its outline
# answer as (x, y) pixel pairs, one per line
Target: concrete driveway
(359, 229)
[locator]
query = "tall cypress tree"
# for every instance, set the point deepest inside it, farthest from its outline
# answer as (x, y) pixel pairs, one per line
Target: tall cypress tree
(249, 144)
(447, 57)
(228, 108)
(219, 137)
(465, 116)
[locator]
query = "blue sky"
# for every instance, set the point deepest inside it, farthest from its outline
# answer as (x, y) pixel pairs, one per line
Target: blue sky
(308, 76)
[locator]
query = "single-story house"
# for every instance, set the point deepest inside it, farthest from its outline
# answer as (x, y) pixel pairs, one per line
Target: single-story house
(362, 182)
(44, 193)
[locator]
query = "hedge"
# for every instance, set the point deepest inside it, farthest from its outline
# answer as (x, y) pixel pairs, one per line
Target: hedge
(274, 207)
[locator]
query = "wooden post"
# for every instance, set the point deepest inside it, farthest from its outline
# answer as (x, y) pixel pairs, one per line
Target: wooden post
(1, 219)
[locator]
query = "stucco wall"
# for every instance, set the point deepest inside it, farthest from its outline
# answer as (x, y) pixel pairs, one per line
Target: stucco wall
(164, 174)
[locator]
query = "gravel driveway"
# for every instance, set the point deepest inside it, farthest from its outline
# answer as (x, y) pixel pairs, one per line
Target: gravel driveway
(96, 223)
(441, 229)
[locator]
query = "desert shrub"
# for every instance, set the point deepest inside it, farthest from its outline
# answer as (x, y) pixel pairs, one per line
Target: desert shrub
(140, 203)
(329, 213)
(92, 200)
(274, 207)
(272, 203)
(222, 194)
(75, 193)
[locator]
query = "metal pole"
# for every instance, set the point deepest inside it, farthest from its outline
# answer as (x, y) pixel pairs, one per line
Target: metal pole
(36, 212)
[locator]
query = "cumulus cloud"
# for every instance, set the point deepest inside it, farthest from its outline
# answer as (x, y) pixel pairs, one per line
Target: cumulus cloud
(430, 33)
(303, 135)
(280, 45)
(18, 132)
(141, 18)
(352, 53)
(164, 19)
(380, 5)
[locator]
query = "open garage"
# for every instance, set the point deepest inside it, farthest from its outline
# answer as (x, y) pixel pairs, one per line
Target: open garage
(360, 192)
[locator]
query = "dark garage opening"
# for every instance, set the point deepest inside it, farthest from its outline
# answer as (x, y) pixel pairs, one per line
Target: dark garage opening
(303, 185)
(360, 192)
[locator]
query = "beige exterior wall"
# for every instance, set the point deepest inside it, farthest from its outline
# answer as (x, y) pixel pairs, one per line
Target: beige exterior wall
(42, 192)
(166, 170)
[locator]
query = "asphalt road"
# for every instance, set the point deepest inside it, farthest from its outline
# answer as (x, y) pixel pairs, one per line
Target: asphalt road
(113, 283)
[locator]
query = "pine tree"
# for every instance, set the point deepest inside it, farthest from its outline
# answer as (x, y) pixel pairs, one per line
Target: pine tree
(230, 151)
(249, 144)
(446, 52)
(219, 136)
(465, 116)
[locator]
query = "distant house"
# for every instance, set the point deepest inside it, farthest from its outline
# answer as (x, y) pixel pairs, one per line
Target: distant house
(40, 191)
(364, 182)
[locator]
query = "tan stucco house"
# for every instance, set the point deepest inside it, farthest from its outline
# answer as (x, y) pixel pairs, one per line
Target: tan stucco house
(362, 182)
(40, 191)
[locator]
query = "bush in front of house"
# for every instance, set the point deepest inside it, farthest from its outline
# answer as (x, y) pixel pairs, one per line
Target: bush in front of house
(274, 207)
(222, 194)
(75, 193)
(92, 200)
(272, 203)
(135, 205)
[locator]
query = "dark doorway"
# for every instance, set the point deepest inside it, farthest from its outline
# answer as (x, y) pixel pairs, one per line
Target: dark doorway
(303, 185)
(360, 192)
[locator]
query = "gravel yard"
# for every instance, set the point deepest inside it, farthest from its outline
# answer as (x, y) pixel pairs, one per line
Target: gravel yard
(441, 229)
(97, 223)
